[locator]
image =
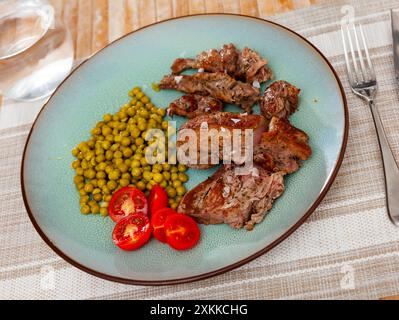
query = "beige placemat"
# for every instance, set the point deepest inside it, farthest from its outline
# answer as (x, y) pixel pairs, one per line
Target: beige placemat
(347, 249)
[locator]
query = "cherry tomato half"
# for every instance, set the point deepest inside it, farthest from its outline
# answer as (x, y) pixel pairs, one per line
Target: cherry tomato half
(182, 232)
(157, 200)
(158, 219)
(132, 232)
(126, 201)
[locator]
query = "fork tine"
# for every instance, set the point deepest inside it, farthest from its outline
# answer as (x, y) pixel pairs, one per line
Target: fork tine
(348, 66)
(359, 52)
(366, 50)
(352, 53)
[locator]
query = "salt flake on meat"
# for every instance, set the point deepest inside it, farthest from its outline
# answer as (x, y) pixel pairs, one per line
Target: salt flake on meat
(178, 79)
(204, 125)
(226, 191)
(256, 84)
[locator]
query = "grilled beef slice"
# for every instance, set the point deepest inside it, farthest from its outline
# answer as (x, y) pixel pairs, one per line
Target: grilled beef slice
(279, 100)
(217, 85)
(282, 147)
(222, 122)
(238, 200)
(246, 66)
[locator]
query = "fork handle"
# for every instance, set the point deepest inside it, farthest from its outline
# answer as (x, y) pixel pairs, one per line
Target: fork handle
(391, 170)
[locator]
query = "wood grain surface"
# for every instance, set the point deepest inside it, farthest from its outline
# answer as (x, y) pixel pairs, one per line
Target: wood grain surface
(95, 23)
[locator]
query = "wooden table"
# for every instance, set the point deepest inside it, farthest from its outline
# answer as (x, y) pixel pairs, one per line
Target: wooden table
(95, 23)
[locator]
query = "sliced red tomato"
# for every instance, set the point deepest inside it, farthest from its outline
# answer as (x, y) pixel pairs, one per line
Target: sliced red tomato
(182, 232)
(158, 219)
(132, 232)
(157, 200)
(126, 201)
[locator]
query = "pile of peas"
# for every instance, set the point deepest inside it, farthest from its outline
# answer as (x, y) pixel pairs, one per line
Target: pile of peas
(114, 157)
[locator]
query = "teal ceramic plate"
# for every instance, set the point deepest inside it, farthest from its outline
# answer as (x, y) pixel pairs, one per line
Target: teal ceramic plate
(100, 86)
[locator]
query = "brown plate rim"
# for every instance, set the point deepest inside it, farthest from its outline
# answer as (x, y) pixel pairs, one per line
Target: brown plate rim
(231, 266)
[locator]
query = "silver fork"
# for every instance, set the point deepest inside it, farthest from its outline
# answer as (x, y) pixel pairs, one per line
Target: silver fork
(363, 82)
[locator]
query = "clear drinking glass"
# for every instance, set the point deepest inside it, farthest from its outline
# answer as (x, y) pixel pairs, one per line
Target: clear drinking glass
(36, 50)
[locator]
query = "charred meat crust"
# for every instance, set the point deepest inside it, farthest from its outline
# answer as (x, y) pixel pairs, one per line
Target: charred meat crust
(279, 100)
(217, 85)
(282, 147)
(238, 200)
(193, 105)
(247, 65)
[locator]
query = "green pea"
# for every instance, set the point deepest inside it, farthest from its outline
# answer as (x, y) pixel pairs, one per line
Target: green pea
(95, 209)
(90, 173)
(125, 141)
(123, 167)
(181, 190)
(124, 182)
(101, 166)
(106, 130)
(173, 205)
(164, 184)
(147, 175)
(104, 212)
(135, 132)
(141, 185)
(174, 169)
(114, 175)
(75, 164)
(128, 162)
(135, 164)
(109, 155)
(96, 131)
(171, 192)
(158, 177)
(176, 183)
(108, 169)
(89, 188)
(126, 175)
(182, 177)
(115, 147)
(107, 118)
(143, 161)
(109, 138)
(157, 167)
(84, 199)
(136, 172)
(181, 167)
(161, 112)
(85, 209)
(106, 144)
(112, 185)
(107, 198)
(101, 183)
(118, 154)
(166, 175)
(106, 189)
(118, 161)
(100, 158)
(127, 152)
